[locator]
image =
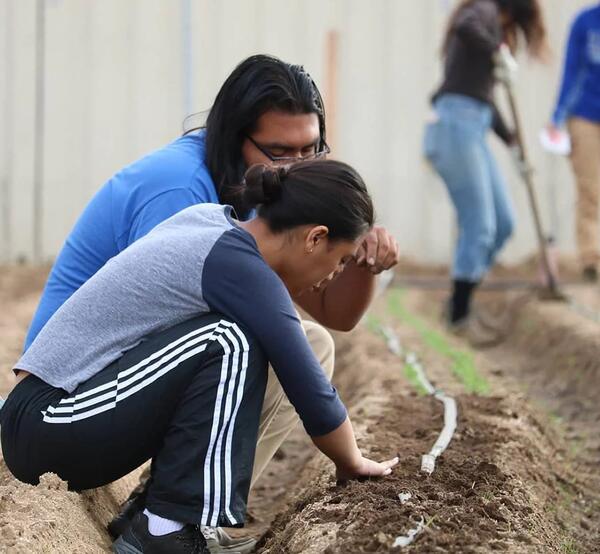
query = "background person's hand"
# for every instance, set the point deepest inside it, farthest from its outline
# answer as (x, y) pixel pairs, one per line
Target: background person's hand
(554, 132)
(555, 140)
(366, 468)
(379, 251)
(505, 65)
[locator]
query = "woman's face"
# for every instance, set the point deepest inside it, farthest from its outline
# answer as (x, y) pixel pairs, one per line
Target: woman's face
(312, 260)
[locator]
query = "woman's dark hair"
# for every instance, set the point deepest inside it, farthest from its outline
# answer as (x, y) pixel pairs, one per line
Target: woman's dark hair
(258, 84)
(319, 192)
(525, 16)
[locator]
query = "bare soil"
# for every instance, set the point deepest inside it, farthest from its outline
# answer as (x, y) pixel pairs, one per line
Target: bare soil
(521, 474)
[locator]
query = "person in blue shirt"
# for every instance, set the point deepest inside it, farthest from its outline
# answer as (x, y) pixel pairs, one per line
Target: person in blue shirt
(578, 107)
(266, 111)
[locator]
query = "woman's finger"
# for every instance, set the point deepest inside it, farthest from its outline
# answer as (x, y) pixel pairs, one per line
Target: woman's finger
(371, 245)
(388, 464)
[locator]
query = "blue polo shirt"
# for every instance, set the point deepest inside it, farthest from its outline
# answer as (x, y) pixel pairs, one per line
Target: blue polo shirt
(580, 91)
(126, 208)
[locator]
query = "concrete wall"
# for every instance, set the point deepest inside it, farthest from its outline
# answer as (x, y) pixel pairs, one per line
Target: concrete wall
(119, 80)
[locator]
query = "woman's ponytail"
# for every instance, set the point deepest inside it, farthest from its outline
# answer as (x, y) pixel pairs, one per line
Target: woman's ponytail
(263, 184)
(319, 192)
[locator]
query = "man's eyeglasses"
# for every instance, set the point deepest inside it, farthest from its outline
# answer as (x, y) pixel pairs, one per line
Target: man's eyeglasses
(291, 159)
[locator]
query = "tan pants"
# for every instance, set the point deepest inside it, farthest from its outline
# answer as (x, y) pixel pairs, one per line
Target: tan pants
(278, 416)
(585, 159)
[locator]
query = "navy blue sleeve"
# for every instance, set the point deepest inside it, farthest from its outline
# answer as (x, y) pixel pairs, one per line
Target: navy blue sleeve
(238, 283)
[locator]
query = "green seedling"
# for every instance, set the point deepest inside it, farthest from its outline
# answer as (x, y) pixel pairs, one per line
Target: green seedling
(463, 364)
(568, 546)
(411, 374)
(373, 323)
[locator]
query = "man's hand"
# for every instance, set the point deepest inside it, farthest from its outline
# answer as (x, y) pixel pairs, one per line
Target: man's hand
(378, 252)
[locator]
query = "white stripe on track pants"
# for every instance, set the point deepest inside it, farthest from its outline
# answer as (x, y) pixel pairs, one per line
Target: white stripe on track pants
(189, 398)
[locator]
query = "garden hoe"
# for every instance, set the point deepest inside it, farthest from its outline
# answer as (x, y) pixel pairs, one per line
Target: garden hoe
(550, 290)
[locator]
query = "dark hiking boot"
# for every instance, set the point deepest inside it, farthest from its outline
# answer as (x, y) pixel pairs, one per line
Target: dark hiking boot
(138, 540)
(590, 274)
(132, 506)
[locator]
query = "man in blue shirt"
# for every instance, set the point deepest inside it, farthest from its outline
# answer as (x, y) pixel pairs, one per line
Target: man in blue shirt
(267, 111)
(578, 106)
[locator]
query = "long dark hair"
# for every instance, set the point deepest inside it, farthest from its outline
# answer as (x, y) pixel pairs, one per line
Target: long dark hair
(258, 84)
(319, 192)
(525, 18)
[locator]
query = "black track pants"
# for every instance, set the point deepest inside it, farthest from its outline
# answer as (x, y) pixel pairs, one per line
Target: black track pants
(189, 398)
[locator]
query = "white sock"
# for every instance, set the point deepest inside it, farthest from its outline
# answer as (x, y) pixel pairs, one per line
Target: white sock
(159, 526)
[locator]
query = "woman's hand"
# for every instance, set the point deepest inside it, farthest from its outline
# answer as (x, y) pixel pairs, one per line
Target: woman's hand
(379, 251)
(366, 468)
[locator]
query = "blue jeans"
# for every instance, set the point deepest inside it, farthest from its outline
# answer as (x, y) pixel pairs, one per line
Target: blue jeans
(455, 144)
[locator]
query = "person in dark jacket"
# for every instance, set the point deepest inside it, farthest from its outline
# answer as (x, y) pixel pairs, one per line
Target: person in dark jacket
(455, 138)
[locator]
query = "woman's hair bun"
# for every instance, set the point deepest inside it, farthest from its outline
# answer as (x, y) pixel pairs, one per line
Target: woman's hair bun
(263, 183)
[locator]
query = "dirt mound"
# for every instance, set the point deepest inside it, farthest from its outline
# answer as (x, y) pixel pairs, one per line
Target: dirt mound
(514, 478)
(49, 518)
(494, 489)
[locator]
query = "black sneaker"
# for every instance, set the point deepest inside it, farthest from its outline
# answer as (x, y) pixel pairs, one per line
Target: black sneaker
(128, 510)
(138, 540)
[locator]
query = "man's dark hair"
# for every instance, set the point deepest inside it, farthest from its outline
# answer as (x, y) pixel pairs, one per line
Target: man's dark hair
(258, 84)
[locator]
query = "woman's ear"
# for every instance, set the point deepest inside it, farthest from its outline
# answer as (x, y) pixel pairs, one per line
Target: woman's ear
(314, 237)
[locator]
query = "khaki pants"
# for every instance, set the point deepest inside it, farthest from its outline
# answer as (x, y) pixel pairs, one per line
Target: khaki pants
(585, 159)
(278, 416)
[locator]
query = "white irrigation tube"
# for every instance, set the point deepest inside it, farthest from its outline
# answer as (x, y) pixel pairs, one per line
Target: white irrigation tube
(450, 415)
(407, 539)
(450, 411)
(445, 436)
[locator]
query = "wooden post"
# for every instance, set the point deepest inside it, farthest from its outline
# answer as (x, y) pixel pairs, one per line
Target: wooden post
(331, 86)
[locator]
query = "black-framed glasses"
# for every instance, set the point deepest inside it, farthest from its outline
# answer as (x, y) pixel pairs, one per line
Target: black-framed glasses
(291, 159)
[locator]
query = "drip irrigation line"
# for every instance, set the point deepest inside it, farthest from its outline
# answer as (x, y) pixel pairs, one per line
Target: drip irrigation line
(445, 436)
(450, 410)
(584, 311)
(405, 540)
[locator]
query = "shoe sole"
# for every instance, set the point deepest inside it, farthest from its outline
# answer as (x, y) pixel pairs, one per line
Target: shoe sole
(244, 548)
(122, 547)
